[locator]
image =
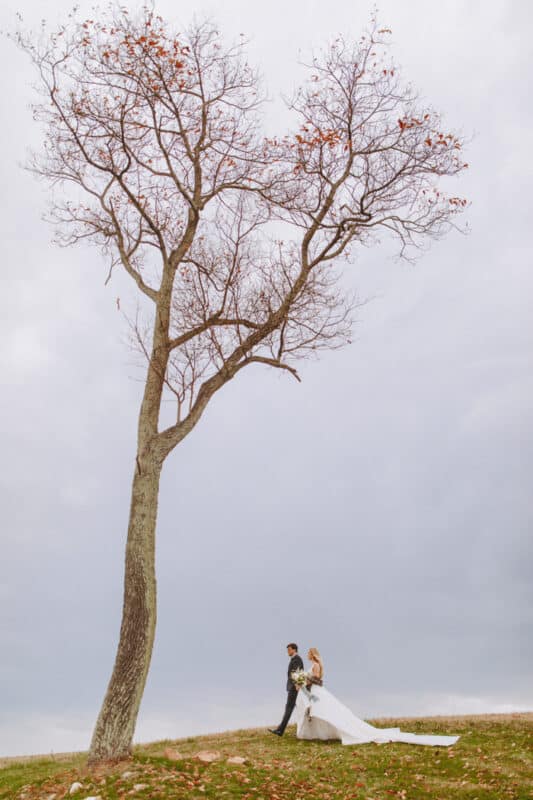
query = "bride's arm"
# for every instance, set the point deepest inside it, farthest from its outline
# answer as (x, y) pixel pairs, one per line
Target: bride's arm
(315, 676)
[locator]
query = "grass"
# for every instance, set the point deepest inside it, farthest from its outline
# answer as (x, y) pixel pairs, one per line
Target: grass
(493, 759)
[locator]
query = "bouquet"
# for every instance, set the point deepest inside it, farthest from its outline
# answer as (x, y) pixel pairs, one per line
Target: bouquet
(301, 679)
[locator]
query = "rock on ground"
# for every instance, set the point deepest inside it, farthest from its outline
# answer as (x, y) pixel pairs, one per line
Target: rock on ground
(207, 756)
(172, 754)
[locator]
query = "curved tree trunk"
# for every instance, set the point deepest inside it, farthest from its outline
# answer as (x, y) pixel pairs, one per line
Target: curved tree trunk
(113, 734)
(115, 726)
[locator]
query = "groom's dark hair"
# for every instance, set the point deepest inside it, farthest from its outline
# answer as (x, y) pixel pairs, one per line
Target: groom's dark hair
(294, 646)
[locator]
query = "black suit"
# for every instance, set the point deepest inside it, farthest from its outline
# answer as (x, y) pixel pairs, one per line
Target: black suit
(292, 692)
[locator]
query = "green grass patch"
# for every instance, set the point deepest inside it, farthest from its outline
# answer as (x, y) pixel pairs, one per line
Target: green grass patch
(493, 759)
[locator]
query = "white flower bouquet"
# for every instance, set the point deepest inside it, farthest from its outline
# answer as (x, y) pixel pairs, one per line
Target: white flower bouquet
(300, 677)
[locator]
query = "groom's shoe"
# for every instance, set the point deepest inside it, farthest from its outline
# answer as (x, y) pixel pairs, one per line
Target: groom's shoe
(278, 733)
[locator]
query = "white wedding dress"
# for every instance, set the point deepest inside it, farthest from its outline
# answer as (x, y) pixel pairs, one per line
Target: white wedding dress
(325, 717)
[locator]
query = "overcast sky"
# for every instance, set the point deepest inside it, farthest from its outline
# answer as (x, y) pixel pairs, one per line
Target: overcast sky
(380, 511)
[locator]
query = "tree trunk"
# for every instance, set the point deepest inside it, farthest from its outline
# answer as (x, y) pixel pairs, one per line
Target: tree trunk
(115, 726)
(113, 734)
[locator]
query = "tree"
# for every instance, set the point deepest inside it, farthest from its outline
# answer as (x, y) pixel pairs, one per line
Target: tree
(154, 142)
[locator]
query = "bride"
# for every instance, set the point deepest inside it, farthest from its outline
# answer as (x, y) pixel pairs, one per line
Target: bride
(319, 715)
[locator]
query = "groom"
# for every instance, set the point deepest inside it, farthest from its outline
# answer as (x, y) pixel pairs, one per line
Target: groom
(292, 692)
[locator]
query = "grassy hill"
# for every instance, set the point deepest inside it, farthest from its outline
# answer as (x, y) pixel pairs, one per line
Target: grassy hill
(493, 759)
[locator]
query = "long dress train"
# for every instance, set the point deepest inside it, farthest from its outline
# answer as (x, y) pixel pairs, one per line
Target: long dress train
(325, 717)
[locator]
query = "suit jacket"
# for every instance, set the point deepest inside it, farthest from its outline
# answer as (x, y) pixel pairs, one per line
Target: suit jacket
(294, 664)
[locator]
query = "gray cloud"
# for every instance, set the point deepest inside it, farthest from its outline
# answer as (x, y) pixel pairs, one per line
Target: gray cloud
(380, 511)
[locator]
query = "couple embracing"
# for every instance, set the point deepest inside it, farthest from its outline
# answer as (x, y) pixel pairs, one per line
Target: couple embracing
(319, 715)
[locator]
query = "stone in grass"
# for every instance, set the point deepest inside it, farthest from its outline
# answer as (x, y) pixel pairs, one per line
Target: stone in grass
(207, 756)
(236, 760)
(126, 775)
(76, 786)
(172, 754)
(93, 797)
(139, 787)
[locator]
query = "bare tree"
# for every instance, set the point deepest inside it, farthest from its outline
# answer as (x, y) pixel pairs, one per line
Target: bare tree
(231, 237)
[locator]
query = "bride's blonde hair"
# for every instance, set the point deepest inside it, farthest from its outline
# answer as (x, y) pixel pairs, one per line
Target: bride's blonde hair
(317, 657)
